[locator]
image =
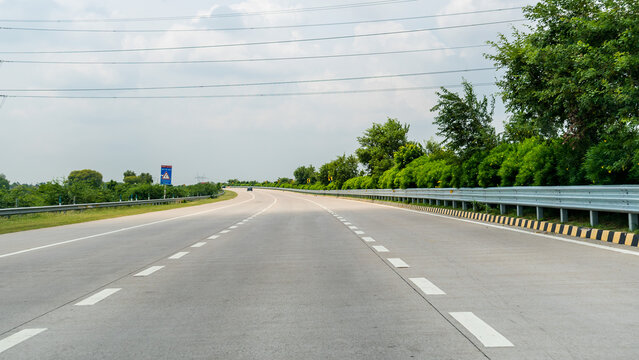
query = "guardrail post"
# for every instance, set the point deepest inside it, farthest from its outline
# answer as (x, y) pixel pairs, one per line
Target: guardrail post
(502, 209)
(633, 221)
(594, 218)
(540, 213)
(437, 202)
(464, 205)
(454, 204)
(430, 201)
(520, 210)
(563, 215)
(474, 206)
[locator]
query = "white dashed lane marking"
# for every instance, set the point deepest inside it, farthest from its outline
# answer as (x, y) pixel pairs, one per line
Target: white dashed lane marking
(398, 263)
(380, 248)
(482, 331)
(426, 286)
(200, 244)
(178, 255)
(97, 297)
(233, 227)
(149, 271)
(359, 232)
(368, 239)
(20, 336)
(213, 237)
(352, 227)
(225, 231)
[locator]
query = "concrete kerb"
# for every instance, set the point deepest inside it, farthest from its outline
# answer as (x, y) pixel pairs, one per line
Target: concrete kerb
(616, 237)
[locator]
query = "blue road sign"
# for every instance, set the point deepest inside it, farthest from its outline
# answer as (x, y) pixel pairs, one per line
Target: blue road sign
(165, 174)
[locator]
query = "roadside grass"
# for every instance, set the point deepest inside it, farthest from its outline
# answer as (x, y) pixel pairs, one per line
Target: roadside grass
(37, 221)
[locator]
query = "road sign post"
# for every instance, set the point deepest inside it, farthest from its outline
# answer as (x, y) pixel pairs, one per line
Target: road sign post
(166, 174)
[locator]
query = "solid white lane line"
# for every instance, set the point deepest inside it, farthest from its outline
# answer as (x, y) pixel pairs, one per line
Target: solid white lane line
(368, 239)
(97, 297)
(576, 242)
(213, 237)
(120, 230)
(233, 227)
(426, 286)
(352, 227)
(20, 336)
(224, 231)
(149, 271)
(359, 232)
(178, 255)
(380, 248)
(398, 263)
(482, 331)
(200, 244)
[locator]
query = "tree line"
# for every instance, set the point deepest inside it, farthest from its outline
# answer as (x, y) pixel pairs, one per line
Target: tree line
(86, 186)
(570, 87)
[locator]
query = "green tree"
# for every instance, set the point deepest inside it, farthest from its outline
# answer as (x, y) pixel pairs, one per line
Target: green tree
(574, 72)
(4, 183)
(129, 173)
(145, 178)
(338, 171)
(87, 176)
(465, 122)
(305, 175)
(407, 153)
(379, 144)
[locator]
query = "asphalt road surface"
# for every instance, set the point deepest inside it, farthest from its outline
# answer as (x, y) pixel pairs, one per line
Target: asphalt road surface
(279, 275)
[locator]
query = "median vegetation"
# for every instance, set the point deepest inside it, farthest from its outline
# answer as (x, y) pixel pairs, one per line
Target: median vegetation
(86, 186)
(570, 87)
(43, 220)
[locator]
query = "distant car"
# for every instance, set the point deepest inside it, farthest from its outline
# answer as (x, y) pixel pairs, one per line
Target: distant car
(249, 188)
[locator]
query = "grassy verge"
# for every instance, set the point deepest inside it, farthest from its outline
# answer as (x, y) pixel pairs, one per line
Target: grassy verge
(43, 220)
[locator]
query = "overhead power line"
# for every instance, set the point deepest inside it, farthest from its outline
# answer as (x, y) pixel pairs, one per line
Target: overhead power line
(259, 27)
(353, 78)
(359, 91)
(395, 52)
(264, 42)
(213, 16)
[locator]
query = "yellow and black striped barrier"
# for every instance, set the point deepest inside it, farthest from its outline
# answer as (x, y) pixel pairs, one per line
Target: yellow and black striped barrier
(616, 237)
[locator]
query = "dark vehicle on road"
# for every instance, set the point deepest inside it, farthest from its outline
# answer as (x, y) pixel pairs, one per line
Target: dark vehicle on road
(249, 188)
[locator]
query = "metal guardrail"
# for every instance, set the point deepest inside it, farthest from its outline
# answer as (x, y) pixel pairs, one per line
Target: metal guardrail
(613, 198)
(62, 208)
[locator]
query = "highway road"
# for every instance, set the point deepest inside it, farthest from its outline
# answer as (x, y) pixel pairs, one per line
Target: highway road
(279, 275)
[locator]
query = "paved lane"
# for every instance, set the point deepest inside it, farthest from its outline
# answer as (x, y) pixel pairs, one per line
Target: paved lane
(284, 276)
(36, 282)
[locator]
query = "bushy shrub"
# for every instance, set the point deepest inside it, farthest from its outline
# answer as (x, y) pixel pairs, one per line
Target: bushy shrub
(612, 160)
(488, 172)
(538, 166)
(469, 170)
(387, 180)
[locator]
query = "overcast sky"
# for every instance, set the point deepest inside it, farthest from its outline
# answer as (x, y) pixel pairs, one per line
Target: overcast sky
(221, 138)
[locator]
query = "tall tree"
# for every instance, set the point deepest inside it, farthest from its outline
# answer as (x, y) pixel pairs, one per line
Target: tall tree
(145, 178)
(379, 143)
(89, 177)
(305, 175)
(574, 72)
(465, 122)
(4, 183)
